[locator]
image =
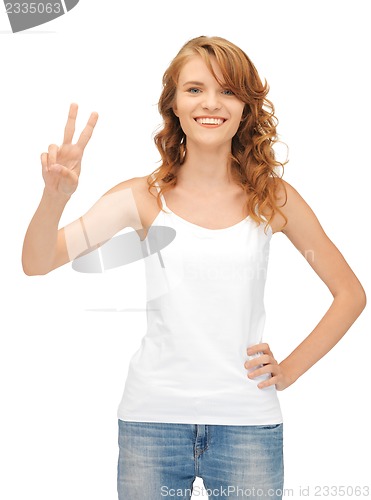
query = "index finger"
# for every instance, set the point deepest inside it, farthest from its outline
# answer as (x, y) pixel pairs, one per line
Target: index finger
(258, 348)
(69, 129)
(88, 130)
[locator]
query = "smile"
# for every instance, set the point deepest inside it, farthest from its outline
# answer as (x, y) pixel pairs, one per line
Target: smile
(210, 121)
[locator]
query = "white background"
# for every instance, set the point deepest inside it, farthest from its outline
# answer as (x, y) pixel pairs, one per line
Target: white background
(62, 365)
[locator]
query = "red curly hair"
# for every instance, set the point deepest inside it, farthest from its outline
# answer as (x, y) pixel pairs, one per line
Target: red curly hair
(253, 162)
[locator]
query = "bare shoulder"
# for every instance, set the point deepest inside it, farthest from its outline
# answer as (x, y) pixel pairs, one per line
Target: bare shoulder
(306, 233)
(145, 201)
(300, 216)
(303, 228)
(295, 210)
(138, 184)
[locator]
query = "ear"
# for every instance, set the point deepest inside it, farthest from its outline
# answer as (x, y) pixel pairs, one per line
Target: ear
(175, 111)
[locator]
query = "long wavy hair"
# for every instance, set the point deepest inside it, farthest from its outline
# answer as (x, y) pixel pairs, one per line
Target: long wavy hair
(253, 164)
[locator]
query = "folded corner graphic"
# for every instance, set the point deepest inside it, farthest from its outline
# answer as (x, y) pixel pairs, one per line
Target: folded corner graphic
(24, 15)
(70, 4)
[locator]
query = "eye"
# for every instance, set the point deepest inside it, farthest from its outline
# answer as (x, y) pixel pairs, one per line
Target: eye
(193, 90)
(227, 92)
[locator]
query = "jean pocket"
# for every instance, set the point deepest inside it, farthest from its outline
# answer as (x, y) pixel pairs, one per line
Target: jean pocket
(269, 426)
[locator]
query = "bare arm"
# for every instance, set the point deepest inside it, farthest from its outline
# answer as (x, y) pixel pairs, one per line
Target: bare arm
(47, 247)
(61, 168)
(43, 246)
(305, 232)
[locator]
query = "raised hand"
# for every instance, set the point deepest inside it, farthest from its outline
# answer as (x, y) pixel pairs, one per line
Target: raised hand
(61, 166)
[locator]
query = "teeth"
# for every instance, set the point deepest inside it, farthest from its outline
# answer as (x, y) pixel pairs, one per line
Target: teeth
(210, 121)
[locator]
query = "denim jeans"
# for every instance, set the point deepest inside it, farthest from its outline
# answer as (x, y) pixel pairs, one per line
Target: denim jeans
(161, 461)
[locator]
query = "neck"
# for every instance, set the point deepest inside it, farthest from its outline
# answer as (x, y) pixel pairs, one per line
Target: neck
(205, 168)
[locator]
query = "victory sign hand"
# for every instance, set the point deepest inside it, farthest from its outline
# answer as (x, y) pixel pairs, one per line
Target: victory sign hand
(61, 166)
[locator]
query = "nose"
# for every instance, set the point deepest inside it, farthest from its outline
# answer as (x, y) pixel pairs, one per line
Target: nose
(211, 101)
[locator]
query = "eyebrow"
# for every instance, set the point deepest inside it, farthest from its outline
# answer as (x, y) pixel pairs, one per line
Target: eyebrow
(192, 83)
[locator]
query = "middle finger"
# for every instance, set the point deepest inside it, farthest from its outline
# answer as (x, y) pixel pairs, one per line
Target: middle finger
(257, 361)
(69, 129)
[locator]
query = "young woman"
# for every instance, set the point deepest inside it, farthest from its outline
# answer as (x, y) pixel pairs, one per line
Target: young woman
(201, 394)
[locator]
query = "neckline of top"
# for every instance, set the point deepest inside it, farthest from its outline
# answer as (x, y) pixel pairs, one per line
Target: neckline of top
(202, 228)
(185, 221)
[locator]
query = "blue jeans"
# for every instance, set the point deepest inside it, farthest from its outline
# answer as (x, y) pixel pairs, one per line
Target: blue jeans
(161, 460)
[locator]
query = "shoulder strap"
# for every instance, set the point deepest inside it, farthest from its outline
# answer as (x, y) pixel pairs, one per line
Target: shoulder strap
(161, 195)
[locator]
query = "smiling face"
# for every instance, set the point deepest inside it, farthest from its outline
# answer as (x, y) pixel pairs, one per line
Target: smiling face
(209, 113)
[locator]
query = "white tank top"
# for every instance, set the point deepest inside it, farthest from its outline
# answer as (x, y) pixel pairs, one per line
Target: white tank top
(205, 307)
